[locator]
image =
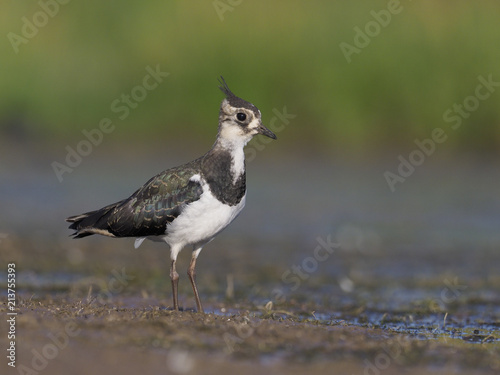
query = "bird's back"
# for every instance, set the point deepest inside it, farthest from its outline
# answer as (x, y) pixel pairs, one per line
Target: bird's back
(147, 211)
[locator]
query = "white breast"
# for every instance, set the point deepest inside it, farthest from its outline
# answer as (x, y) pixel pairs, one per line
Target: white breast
(201, 220)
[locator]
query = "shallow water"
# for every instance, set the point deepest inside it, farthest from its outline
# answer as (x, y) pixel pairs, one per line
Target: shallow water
(422, 261)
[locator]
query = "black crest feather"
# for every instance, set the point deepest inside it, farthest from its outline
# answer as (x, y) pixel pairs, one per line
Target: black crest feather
(233, 99)
(225, 88)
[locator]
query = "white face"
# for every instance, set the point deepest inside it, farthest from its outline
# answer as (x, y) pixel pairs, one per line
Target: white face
(239, 125)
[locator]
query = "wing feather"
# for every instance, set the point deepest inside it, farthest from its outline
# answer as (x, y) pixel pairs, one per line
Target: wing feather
(148, 211)
(151, 208)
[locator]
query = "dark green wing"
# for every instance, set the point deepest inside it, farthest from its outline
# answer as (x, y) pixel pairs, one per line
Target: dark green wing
(148, 211)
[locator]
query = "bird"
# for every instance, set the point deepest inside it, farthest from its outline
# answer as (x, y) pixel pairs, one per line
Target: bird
(191, 204)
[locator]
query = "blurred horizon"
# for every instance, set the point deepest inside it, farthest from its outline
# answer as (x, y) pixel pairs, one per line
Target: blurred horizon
(374, 215)
(415, 67)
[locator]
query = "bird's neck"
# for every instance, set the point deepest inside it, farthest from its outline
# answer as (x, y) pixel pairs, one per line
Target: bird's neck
(233, 149)
(223, 168)
(230, 144)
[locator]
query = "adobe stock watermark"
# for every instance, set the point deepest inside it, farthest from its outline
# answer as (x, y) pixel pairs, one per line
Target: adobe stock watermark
(294, 277)
(57, 342)
(243, 330)
(31, 26)
(455, 115)
(277, 124)
(363, 37)
(223, 6)
(391, 352)
(116, 284)
(449, 294)
(121, 107)
(298, 273)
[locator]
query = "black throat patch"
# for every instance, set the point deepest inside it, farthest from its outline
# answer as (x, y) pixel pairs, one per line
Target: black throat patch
(216, 169)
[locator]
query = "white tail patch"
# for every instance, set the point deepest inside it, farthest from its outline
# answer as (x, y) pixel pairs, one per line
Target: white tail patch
(138, 242)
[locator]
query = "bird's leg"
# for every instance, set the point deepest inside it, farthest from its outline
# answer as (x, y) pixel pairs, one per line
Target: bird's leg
(174, 276)
(192, 276)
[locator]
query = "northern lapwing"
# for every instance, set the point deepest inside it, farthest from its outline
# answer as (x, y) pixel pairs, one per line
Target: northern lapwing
(189, 204)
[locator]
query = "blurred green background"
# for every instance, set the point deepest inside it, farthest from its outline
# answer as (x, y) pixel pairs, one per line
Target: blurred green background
(282, 53)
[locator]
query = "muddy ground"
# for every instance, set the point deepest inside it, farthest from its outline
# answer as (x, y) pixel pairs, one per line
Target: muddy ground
(90, 310)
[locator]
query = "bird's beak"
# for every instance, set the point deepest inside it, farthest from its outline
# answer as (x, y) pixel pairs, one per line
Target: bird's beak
(265, 131)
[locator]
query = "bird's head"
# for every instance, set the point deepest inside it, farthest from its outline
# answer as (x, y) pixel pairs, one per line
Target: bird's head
(239, 120)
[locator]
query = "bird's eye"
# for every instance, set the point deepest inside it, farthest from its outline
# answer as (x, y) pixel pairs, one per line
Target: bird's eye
(241, 116)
